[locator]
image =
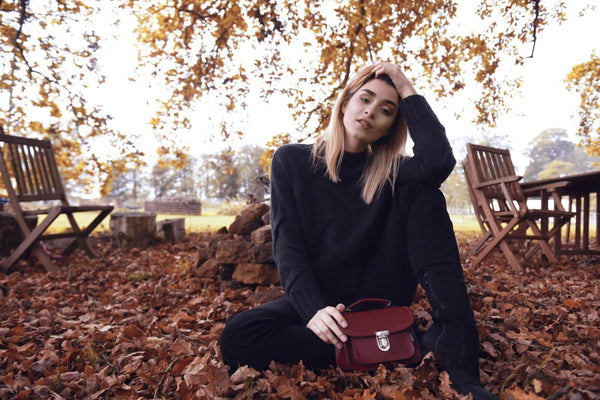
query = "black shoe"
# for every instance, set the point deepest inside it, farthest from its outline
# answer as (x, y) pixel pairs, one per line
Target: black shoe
(465, 383)
(453, 336)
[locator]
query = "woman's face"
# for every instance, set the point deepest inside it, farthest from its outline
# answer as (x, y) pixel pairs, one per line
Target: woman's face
(369, 114)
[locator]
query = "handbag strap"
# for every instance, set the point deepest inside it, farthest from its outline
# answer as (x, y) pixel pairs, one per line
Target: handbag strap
(369, 301)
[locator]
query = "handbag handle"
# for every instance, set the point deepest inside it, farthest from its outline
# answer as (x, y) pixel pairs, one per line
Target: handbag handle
(370, 301)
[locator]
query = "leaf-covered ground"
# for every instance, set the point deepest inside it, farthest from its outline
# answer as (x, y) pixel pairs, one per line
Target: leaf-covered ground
(141, 324)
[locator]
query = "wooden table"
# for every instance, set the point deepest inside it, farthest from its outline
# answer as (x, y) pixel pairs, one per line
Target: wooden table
(577, 190)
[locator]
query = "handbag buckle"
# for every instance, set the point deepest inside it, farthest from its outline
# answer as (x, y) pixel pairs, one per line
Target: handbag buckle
(383, 342)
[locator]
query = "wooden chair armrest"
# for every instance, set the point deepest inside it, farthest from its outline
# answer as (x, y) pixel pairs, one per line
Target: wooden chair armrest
(548, 187)
(507, 179)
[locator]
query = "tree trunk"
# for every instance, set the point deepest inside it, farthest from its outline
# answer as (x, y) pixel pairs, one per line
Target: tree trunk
(132, 229)
(172, 229)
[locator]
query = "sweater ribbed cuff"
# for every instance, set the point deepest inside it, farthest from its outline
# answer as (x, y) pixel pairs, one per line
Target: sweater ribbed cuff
(307, 302)
(421, 120)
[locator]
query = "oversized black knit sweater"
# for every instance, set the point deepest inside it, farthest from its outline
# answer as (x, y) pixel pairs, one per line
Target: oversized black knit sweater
(324, 234)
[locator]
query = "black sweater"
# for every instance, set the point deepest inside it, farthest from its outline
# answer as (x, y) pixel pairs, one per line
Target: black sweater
(324, 232)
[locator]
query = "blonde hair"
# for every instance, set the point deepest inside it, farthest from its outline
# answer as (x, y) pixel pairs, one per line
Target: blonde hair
(384, 155)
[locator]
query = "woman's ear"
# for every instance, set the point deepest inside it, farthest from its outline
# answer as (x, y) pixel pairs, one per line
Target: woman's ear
(344, 104)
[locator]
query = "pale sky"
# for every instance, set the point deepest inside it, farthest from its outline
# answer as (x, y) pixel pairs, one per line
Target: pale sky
(544, 102)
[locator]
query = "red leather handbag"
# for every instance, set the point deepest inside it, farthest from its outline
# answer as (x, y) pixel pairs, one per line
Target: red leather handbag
(376, 336)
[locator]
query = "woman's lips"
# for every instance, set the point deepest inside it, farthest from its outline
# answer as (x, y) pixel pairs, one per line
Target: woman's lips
(364, 124)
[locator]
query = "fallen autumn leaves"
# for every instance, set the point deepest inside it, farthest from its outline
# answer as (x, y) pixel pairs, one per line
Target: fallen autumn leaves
(141, 324)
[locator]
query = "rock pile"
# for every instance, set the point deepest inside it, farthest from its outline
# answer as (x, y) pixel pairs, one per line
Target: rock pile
(243, 252)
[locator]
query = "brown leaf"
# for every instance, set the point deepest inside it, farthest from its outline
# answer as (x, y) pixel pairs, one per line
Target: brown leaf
(181, 347)
(518, 394)
(131, 331)
(135, 339)
(287, 388)
(242, 373)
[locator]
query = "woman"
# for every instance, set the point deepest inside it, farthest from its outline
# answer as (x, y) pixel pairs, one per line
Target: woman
(353, 218)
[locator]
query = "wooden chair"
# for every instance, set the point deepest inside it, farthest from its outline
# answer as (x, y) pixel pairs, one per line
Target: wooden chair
(30, 175)
(502, 211)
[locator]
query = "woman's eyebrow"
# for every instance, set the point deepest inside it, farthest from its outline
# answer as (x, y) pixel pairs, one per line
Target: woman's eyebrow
(372, 93)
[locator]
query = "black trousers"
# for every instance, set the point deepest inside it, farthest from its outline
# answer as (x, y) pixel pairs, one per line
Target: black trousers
(417, 237)
(273, 331)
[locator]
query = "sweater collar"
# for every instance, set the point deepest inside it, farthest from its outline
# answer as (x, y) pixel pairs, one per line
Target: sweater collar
(352, 166)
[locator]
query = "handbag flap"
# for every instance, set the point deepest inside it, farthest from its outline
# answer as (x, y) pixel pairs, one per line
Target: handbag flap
(366, 323)
(401, 347)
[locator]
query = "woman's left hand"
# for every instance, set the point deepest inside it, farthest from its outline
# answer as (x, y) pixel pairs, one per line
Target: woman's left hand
(326, 325)
(403, 85)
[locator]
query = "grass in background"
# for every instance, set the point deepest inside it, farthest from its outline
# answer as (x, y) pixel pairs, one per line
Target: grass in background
(465, 223)
(193, 223)
(210, 222)
(203, 223)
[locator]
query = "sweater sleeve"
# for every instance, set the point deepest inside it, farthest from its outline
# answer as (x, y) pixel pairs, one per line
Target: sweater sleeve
(289, 247)
(433, 160)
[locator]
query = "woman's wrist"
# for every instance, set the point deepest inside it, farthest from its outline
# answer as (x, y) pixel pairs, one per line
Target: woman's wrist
(406, 91)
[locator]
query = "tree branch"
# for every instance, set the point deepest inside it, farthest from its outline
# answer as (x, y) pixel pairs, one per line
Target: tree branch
(352, 37)
(24, 4)
(22, 18)
(536, 7)
(368, 42)
(369, 47)
(197, 14)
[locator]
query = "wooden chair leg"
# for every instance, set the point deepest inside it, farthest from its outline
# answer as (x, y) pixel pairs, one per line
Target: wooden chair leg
(497, 238)
(533, 251)
(37, 250)
(78, 240)
(82, 243)
(481, 243)
(30, 241)
(511, 257)
(543, 242)
(44, 259)
(84, 234)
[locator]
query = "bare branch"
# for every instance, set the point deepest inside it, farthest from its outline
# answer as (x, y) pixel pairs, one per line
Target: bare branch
(536, 7)
(368, 42)
(197, 14)
(22, 18)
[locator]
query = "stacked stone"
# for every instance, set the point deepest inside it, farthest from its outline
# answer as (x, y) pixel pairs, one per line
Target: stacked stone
(244, 252)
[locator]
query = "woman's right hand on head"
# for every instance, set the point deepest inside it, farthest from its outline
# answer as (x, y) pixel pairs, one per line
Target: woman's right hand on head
(394, 71)
(326, 325)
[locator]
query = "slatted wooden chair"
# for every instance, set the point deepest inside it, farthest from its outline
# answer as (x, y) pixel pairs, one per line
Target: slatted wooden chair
(506, 221)
(30, 176)
(479, 214)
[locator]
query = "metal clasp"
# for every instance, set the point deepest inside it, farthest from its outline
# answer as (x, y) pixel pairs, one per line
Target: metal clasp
(383, 342)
